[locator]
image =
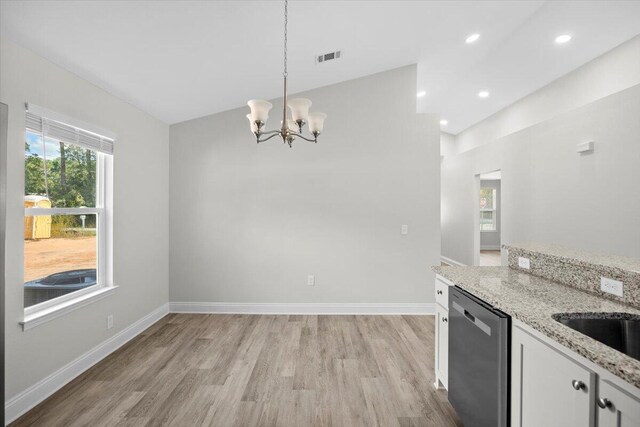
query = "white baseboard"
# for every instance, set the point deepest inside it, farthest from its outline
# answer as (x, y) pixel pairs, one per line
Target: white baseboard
(451, 261)
(29, 398)
(302, 308)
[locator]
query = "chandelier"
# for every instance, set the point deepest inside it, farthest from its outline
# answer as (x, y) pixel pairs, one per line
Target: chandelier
(291, 128)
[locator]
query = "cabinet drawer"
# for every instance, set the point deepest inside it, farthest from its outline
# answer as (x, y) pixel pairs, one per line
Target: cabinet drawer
(442, 294)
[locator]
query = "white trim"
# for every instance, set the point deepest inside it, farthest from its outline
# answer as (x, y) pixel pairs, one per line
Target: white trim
(302, 308)
(27, 399)
(59, 301)
(47, 314)
(451, 261)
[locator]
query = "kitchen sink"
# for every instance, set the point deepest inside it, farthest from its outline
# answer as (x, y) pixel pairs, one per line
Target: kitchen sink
(620, 331)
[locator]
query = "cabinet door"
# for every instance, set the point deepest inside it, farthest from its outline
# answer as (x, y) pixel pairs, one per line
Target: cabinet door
(620, 408)
(442, 336)
(548, 388)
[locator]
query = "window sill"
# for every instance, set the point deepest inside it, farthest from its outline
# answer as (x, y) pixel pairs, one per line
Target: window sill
(48, 314)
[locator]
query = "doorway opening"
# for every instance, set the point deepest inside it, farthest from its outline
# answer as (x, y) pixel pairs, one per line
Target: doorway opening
(488, 247)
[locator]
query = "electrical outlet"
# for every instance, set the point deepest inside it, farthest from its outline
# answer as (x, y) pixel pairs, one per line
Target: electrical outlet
(524, 263)
(404, 230)
(110, 321)
(611, 286)
(311, 280)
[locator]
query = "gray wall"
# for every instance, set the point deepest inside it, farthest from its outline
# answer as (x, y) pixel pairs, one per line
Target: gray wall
(552, 194)
(491, 239)
(249, 222)
(141, 245)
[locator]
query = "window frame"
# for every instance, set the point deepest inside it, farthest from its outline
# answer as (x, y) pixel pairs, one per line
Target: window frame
(494, 210)
(104, 235)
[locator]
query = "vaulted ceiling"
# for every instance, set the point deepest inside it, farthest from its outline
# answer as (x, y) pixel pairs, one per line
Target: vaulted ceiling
(180, 60)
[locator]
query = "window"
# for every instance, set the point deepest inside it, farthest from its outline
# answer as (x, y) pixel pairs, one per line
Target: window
(67, 231)
(487, 209)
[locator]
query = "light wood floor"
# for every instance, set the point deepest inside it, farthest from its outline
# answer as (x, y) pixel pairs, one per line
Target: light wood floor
(242, 370)
(490, 258)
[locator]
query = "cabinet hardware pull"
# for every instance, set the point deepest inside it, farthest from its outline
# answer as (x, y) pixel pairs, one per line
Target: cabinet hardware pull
(444, 319)
(439, 292)
(578, 385)
(604, 403)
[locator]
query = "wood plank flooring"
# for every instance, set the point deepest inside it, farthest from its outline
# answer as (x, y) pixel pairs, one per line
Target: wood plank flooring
(490, 258)
(260, 370)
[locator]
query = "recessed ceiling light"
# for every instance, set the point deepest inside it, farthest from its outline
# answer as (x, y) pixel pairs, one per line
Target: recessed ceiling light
(472, 38)
(483, 94)
(421, 94)
(443, 122)
(563, 38)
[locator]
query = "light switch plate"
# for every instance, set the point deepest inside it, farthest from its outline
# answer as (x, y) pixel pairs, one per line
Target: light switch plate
(404, 230)
(611, 286)
(524, 263)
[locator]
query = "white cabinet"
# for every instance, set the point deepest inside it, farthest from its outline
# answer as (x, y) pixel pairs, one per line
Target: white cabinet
(442, 333)
(442, 345)
(616, 408)
(548, 388)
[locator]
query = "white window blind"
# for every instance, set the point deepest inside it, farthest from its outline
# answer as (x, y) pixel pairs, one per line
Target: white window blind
(66, 131)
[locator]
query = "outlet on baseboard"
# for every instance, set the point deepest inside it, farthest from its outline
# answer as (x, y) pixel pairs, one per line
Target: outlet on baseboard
(611, 286)
(311, 280)
(524, 263)
(110, 321)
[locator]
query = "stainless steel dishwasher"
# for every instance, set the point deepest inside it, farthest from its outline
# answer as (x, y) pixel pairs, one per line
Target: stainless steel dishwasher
(479, 353)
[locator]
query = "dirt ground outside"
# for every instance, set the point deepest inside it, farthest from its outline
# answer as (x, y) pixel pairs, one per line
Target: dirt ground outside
(47, 256)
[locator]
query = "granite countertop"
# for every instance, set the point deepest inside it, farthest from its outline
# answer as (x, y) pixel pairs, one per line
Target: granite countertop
(580, 257)
(532, 300)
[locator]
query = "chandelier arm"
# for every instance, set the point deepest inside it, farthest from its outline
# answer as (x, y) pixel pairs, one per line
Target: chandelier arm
(297, 135)
(258, 140)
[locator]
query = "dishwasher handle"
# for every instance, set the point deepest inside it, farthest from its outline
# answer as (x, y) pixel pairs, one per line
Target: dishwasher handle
(471, 318)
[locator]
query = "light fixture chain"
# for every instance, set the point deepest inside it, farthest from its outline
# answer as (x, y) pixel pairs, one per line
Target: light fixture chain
(286, 2)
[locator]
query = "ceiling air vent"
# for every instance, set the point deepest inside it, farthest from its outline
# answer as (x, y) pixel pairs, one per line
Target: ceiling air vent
(328, 56)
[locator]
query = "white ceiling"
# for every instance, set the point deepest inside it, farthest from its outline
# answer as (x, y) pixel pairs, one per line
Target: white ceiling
(180, 60)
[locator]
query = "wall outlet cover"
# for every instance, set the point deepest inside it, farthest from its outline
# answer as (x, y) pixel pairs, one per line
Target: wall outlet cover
(611, 286)
(404, 230)
(311, 280)
(524, 263)
(110, 321)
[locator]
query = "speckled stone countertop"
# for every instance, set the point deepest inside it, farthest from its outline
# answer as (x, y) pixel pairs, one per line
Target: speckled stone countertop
(580, 257)
(580, 269)
(533, 300)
